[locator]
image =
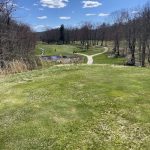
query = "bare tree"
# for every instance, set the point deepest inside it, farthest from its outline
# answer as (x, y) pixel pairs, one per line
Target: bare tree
(16, 40)
(145, 34)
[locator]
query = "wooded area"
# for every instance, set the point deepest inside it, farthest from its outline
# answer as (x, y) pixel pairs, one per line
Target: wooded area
(17, 40)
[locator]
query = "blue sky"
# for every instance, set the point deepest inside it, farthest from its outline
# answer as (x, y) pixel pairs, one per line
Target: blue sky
(42, 14)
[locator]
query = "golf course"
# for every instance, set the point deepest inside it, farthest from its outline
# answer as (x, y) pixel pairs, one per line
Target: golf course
(100, 105)
(74, 75)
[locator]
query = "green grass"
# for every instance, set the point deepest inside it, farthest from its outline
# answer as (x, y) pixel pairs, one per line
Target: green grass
(56, 50)
(92, 50)
(65, 49)
(52, 49)
(103, 59)
(97, 107)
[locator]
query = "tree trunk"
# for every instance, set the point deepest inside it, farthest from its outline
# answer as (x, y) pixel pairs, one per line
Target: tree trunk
(143, 54)
(102, 43)
(148, 47)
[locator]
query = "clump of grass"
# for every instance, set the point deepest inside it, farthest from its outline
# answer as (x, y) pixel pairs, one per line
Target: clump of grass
(14, 66)
(20, 65)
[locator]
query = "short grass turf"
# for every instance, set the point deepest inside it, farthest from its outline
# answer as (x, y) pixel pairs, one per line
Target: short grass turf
(99, 107)
(53, 49)
(103, 59)
(92, 50)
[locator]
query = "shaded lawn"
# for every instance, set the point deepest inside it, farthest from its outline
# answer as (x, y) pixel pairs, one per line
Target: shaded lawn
(76, 107)
(103, 59)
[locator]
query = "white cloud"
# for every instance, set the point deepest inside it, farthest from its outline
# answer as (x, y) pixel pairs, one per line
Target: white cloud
(64, 18)
(56, 27)
(35, 4)
(41, 9)
(12, 4)
(91, 4)
(39, 28)
(103, 14)
(22, 7)
(100, 15)
(42, 17)
(54, 3)
(27, 9)
(90, 14)
(134, 12)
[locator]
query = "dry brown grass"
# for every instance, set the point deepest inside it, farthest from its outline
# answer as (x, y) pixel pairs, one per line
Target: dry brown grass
(18, 66)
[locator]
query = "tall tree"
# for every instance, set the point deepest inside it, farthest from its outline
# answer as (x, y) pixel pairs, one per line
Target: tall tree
(62, 34)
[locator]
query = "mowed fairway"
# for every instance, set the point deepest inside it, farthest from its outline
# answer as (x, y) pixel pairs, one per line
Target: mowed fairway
(55, 49)
(103, 59)
(99, 107)
(68, 49)
(92, 50)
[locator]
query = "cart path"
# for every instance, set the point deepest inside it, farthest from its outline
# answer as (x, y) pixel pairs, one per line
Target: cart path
(90, 57)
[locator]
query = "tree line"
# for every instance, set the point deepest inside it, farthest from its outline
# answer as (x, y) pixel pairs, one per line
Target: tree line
(17, 40)
(129, 32)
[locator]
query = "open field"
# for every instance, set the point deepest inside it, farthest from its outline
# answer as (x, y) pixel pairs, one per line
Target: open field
(52, 49)
(76, 107)
(69, 49)
(103, 59)
(92, 50)
(57, 50)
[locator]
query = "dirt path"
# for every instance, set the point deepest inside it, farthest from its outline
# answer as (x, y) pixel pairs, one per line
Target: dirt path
(90, 57)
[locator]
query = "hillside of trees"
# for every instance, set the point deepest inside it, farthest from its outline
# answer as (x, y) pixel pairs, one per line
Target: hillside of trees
(129, 32)
(17, 40)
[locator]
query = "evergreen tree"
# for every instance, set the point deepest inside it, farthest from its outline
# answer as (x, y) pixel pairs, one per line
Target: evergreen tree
(62, 34)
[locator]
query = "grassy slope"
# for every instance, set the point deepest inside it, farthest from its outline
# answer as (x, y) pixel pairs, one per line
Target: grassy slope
(76, 107)
(103, 59)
